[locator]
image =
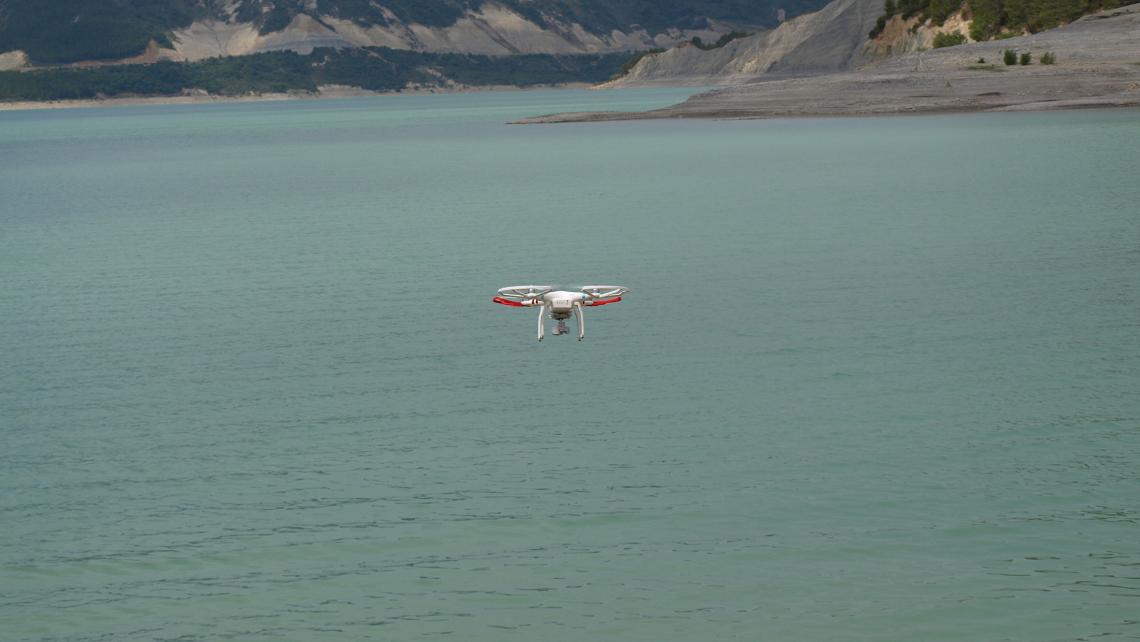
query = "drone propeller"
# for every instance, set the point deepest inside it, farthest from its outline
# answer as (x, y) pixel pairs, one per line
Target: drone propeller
(604, 291)
(524, 291)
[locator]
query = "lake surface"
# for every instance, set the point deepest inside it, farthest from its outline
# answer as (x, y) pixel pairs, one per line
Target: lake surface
(878, 379)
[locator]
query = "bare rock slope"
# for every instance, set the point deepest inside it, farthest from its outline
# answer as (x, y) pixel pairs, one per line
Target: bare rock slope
(827, 40)
(1098, 65)
(491, 29)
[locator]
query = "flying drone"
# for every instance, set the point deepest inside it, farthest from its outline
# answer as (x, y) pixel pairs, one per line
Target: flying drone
(559, 304)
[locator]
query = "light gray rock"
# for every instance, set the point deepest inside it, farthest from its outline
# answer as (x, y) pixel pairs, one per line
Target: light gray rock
(491, 29)
(827, 40)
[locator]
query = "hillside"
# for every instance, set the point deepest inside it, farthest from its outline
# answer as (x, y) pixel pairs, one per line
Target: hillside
(849, 33)
(67, 31)
(1097, 64)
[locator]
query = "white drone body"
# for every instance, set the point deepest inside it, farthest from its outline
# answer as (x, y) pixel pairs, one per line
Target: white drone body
(559, 304)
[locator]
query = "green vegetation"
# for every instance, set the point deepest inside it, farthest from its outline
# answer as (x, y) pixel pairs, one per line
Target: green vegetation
(1026, 58)
(519, 70)
(378, 69)
(720, 42)
(276, 19)
(1048, 58)
(62, 31)
(1009, 57)
(992, 18)
(948, 39)
(889, 9)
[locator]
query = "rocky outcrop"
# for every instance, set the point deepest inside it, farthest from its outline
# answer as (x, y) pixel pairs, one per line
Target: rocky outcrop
(13, 60)
(905, 35)
(831, 39)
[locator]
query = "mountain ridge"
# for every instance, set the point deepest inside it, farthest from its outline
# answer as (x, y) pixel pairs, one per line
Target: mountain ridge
(73, 31)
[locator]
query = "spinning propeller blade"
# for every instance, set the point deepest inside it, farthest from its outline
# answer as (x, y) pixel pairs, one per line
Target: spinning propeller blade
(524, 291)
(604, 291)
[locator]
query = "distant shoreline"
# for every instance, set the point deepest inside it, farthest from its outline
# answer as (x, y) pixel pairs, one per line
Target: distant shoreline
(326, 93)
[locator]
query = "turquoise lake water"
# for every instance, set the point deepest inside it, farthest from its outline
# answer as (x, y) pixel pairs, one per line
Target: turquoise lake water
(878, 379)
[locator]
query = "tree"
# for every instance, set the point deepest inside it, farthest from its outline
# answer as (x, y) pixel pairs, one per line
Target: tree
(948, 39)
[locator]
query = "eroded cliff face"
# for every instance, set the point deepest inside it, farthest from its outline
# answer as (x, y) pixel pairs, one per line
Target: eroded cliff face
(906, 35)
(831, 39)
(491, 30)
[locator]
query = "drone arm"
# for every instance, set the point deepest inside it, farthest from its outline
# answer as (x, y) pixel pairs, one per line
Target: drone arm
(523, 303)
(597, 302)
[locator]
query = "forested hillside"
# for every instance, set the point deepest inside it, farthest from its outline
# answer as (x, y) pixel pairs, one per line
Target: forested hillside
(991, 18)
(374, 69)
